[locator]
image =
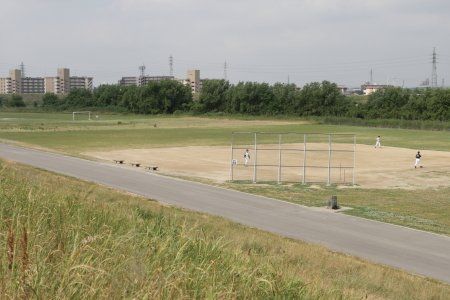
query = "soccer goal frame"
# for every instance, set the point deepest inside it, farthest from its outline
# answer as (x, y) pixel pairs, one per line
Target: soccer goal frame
(303, 148)
(81, 112)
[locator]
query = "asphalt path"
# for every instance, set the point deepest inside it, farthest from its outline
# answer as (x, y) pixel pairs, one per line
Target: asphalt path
(412, 250)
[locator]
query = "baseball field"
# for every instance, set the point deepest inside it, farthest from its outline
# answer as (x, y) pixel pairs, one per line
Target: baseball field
(388, 188)
(66, 237)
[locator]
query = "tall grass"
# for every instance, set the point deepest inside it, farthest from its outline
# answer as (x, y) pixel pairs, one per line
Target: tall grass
(61, 246)
(62, 238)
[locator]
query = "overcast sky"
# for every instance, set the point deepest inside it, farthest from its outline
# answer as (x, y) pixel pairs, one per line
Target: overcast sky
(261, 40)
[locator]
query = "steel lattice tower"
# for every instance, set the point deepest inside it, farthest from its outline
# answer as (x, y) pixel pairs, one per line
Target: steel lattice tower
(225, 69)
(22, 69)
(142, 70)
(434, 78)
(171, 65)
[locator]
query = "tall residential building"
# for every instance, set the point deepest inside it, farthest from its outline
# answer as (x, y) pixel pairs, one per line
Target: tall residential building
(64, 80)
(77, 82)
(33, 85)
(193, 80)
(61, 84)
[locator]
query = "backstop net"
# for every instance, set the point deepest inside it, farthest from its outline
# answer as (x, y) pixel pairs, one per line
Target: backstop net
(293, 157)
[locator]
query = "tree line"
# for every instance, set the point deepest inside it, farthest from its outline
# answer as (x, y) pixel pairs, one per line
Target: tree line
(220, 96)
(322, 99)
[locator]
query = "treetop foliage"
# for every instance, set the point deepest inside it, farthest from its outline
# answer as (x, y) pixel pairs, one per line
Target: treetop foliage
(220, 96)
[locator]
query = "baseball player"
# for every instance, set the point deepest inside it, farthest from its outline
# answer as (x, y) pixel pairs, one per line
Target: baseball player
(418, 157)
(378, 142)
(246, 157)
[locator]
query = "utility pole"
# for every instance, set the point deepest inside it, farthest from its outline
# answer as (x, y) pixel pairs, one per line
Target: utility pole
(434, 78)
(288, 81)
(371, 76)
(171, 65)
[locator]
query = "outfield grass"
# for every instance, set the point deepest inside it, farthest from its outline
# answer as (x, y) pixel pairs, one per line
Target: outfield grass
(57, 131)
(64, 238)
(426, 209)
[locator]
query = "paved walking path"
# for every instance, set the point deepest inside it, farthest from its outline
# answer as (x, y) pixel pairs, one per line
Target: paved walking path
(412, 250)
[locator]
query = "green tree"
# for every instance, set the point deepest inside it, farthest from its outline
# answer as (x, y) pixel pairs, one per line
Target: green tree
(79, 98)
(213, 96)
(16, 101)
(50, 100)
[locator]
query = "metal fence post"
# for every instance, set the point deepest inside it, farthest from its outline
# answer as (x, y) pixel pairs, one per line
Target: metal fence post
(232, 157)
(329, 160)
(354, 159)
(304, 159)
(255, 161)
(279, 158)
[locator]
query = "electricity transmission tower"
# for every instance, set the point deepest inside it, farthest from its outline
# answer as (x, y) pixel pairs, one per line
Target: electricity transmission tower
(22, 69)
(434, 79)
(171, 65)
(225, 69)
(142, 70)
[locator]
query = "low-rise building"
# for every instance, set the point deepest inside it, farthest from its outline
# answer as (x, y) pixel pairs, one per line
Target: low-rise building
(142, 80)
(372, 88)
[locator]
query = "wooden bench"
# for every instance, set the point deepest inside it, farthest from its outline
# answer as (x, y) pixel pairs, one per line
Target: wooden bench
(118, 161)
(137, 165)
(152, 168)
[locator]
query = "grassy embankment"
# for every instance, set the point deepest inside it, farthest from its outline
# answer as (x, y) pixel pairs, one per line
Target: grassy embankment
(422, 209)
(64, 238)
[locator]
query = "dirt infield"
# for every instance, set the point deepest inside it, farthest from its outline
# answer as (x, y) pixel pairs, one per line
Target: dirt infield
(387, 167)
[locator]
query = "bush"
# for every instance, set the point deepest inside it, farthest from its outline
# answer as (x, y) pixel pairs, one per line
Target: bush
(16, 101)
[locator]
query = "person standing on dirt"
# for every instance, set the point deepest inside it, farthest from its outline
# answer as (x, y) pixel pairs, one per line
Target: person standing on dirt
(246, 157)
(378, 142)
(418, 157)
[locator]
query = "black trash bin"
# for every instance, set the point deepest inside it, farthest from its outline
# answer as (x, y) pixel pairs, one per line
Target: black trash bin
(333, 203)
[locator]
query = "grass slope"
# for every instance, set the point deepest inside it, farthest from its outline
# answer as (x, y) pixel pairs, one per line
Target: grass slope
(64, 238)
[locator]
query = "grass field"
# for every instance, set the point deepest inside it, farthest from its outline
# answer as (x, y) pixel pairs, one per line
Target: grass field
(57, 131)
(63, 238)
(425, 209)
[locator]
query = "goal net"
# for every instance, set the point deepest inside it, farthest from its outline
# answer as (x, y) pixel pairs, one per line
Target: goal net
(81, 115)
(293, 157)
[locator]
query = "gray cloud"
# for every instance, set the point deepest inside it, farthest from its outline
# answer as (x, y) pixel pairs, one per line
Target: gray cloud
(338, 40)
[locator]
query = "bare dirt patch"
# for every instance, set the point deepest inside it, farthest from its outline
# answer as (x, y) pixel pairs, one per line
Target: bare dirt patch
(388, 167)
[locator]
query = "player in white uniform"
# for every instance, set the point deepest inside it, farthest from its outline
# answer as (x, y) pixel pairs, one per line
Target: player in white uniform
(378, 142)
(418, 157)
(246, 157)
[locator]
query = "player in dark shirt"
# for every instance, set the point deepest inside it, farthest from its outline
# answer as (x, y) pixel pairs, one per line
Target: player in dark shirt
(418, 157)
